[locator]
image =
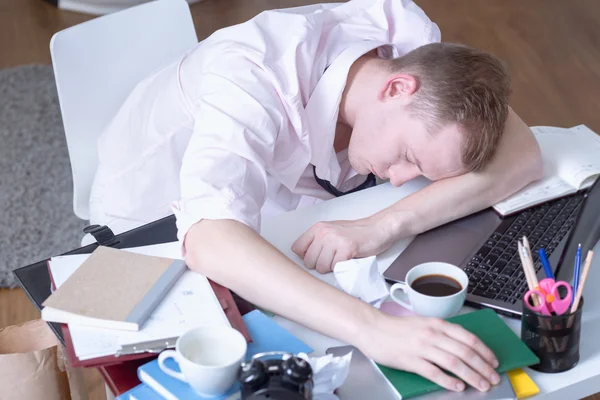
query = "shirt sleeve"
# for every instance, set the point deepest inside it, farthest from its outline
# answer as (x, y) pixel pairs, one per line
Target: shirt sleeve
(223, 172)
(404, 23)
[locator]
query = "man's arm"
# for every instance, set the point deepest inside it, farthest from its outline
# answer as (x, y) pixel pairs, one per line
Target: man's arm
(234, 255)
(516, 163)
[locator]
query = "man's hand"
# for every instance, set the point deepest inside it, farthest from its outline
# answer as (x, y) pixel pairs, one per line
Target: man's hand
(327, 243)
(425, 346)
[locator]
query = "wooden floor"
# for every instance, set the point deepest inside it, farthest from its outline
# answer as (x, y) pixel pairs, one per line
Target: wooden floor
(551, 46)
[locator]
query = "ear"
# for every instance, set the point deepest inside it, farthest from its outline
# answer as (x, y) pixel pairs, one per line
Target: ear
(399, 86)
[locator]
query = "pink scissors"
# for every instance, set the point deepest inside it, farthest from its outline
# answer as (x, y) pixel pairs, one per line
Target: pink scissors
(549, 299)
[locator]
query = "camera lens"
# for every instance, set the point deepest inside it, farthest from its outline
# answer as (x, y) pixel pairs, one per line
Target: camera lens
(252, 374)
(297, 369)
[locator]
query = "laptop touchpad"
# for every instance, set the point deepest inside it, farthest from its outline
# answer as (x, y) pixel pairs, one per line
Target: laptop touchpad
(451, 243)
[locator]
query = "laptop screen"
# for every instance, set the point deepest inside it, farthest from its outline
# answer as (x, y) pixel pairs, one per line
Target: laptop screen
(585, 231)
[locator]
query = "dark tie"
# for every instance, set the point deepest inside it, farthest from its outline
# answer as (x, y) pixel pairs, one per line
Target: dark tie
(370, 182)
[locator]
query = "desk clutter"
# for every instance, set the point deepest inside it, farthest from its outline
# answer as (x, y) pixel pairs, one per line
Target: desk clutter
(113, 289)
(267, 336)
(176, 313)
(551, 325)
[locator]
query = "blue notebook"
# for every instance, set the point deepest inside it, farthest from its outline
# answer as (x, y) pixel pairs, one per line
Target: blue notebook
(266, 335)
(140, 392)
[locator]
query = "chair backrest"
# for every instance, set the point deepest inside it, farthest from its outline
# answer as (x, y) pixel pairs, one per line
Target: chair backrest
(97, 64)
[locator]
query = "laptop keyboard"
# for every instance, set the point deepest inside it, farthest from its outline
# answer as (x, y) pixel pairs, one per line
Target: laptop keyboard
(495, 270)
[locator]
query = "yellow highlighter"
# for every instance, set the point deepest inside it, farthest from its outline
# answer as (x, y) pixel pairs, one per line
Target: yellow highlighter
(522, 384)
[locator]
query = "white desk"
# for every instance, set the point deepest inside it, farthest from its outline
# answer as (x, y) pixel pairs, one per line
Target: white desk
(581, 381)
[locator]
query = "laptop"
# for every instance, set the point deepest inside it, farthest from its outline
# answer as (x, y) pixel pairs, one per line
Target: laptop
(484, 245)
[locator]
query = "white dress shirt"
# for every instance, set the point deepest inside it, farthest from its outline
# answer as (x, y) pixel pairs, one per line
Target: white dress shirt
(233, 128)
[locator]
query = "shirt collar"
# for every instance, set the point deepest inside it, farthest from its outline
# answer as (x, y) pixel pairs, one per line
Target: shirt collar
(323, 108)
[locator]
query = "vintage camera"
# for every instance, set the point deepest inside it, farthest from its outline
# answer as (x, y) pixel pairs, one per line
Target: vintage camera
(276, 376)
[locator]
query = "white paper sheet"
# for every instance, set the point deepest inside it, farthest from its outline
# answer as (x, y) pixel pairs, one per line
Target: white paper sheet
(190, 303)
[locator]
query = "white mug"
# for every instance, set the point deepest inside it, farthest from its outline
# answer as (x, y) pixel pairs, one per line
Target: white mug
(432, 306)
(209, 358)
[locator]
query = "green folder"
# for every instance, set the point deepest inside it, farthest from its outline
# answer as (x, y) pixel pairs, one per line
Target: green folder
(511, 352)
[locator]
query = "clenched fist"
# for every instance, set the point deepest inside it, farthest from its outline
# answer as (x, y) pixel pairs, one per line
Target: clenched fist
(327, 243)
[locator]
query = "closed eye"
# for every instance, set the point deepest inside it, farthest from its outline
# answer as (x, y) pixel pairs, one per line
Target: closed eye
(406, 158)
(415, 162)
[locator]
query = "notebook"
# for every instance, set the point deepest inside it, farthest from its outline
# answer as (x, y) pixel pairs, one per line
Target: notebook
(571, 163)
(140, 392)
(113, 289)
(266, 334)
(511, 352)
(173, 389)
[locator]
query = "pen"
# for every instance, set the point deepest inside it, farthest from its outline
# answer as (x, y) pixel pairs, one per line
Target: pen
(586, 268)
(545, 263)
(577, 271)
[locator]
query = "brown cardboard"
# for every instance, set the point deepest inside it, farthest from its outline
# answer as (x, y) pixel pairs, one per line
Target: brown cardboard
(32, 365)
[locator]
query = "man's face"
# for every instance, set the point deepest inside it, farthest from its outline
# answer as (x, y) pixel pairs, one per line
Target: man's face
(397, 146)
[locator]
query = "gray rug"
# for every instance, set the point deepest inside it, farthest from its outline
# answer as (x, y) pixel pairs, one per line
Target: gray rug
(36, 206)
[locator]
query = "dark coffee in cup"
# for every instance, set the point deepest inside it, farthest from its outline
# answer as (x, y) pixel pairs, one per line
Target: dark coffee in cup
(433, 289)
(436, 285)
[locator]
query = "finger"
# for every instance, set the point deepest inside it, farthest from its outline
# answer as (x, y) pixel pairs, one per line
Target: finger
(339, 257)
(312, 255)
(461, 365)
(301, 245)
(457, 332)
(429, 371)
(325, 260)
(472, 359)
(457, 367)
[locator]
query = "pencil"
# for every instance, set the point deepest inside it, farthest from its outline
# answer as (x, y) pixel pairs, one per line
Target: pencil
(527, 273)
(529, 259)
(588, 262)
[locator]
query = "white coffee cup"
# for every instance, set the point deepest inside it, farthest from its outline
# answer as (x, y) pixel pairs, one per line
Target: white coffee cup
(431, 306)
(209, 358)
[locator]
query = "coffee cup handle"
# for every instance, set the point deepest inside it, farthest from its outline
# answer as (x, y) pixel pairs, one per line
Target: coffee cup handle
(402, 287)
(161, 364)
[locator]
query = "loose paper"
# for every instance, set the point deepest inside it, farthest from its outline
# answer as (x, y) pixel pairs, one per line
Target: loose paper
(361, 278)
(329, 373)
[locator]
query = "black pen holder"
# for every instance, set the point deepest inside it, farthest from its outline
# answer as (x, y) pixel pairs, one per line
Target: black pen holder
(553, 339)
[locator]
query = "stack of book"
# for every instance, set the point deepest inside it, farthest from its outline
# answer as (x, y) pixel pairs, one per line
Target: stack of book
(118, 308)
(267, 336)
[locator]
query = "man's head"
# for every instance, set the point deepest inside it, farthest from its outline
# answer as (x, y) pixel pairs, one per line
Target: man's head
(438, 111)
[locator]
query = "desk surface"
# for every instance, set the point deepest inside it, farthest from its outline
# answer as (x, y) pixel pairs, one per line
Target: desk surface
(581, 381)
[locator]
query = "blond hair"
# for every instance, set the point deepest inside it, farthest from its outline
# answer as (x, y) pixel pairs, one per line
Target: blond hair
(462, 85)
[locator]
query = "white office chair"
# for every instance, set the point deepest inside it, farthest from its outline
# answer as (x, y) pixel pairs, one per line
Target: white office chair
(97, 64)
(100, 7)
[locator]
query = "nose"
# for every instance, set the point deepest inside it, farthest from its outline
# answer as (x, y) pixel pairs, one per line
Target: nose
(402, 174)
